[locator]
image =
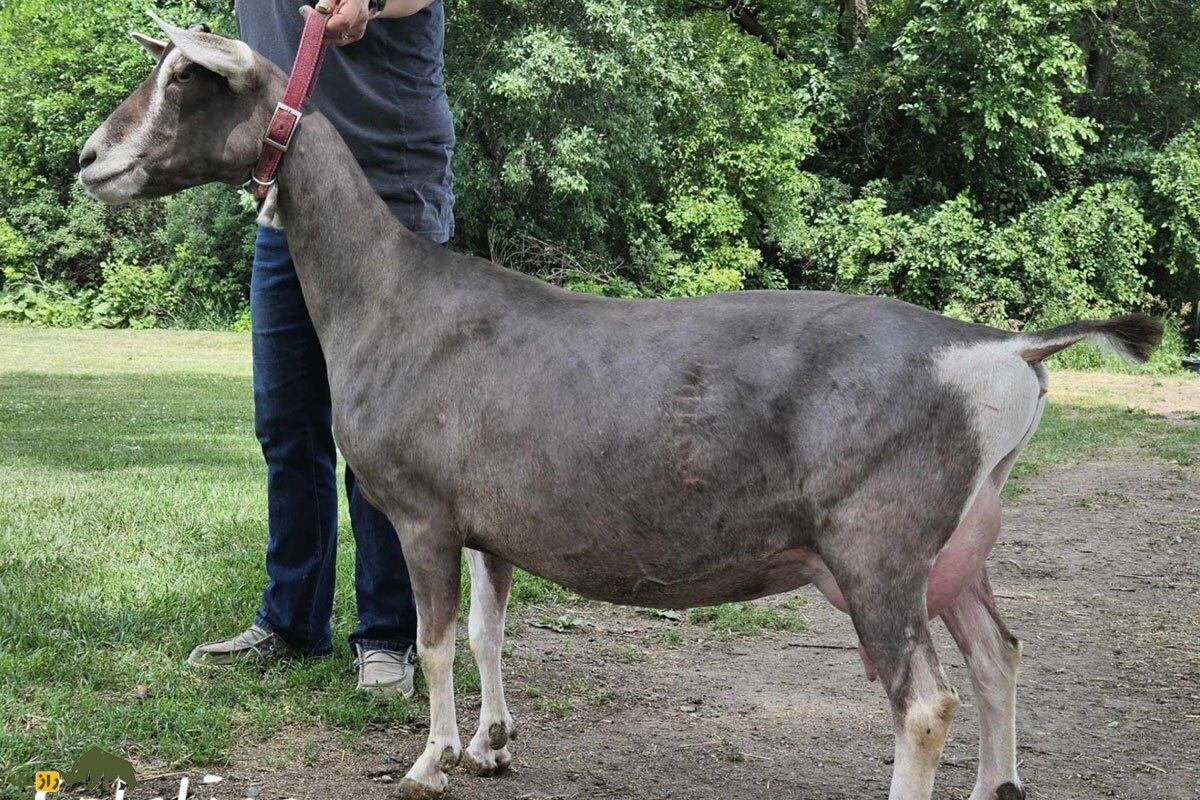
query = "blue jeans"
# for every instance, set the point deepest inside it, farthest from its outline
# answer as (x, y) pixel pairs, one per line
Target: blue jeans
(293, 421)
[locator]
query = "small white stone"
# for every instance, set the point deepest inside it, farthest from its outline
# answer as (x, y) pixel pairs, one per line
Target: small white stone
(210, 780)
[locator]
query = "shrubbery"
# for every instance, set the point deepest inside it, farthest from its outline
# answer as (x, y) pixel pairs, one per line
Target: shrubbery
(1074, 255)
(1006, 161)
(67, 260)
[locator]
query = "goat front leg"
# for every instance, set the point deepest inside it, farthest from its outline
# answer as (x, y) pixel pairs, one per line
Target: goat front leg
(993, 655)
(435, 567)
(491, 577)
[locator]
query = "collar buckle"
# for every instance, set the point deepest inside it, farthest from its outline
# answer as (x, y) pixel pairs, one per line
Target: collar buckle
(283, 146)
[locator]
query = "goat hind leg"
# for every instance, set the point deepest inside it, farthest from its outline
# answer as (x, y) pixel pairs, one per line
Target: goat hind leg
(887, 603)
(491, 577)
(923, 703)
(435, 572)
(993, 655)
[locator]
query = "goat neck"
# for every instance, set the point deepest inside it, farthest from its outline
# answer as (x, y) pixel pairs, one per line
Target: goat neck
(350, 251)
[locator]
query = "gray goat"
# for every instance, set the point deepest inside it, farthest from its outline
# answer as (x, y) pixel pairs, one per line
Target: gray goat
(659, 453)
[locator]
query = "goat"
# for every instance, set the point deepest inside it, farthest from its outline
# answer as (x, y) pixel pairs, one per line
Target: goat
(665, 453)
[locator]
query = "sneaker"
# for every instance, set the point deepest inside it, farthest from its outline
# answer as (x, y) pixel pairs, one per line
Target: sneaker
(252, 644)
(386, 671)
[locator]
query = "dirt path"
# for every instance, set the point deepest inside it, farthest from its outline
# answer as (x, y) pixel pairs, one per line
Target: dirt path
(1098, 571)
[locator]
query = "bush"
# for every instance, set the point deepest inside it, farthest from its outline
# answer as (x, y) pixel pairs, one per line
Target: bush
(133, 296)
(51, 305)
(988, 84)
(208, 236)
(61, 74)
(14, 256)
(1175, 201)
(1077, 255)
(1007, 161)
(653, 142)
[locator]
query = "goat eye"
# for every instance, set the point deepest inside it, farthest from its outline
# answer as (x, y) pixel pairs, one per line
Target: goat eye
(184, 76)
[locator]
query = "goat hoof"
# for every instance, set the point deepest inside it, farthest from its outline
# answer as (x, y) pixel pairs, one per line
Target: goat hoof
(1010, 791)
(494, 762)
(414, 790)
(475, 767)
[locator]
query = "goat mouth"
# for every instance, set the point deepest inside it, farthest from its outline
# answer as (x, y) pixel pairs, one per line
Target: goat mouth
(110, 187)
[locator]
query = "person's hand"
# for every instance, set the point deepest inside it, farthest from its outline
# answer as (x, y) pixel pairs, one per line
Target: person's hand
(347, 23)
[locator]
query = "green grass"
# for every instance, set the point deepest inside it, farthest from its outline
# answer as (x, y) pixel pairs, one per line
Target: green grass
(746, 619)
(132, 527)
(568, 698)
(1074, 432)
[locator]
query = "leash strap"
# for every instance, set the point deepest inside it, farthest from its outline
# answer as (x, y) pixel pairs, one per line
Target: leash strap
(288, 114)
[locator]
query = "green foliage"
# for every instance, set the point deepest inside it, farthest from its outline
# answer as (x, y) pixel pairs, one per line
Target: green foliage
(1175, 203)
(1006, 161)
(132, 296)
(1141, 59)
(985, 82)
(1176, 183)
(47, 305)
(14, 255)
(63, 73)
(648, 141)
(1078, 254)
(208, 240)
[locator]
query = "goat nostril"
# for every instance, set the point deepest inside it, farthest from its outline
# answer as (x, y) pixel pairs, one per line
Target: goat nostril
(87, 158)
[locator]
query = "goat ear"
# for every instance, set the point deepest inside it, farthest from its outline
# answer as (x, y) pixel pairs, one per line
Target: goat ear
(229, 58)
(153, 46)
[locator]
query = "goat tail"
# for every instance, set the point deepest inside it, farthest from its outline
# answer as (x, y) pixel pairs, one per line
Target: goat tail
(1133, 336)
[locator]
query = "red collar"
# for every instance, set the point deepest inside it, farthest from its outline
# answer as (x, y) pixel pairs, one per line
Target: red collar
(288, 112)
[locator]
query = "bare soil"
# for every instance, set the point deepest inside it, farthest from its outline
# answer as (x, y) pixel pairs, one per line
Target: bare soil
(1097, 571)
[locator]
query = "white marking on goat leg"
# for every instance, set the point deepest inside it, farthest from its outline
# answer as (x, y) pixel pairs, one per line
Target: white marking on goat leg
(427, 778)
(993, 657)
(488, 753)
(922, 732)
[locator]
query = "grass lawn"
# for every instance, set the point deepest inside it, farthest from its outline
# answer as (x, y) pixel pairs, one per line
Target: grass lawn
(132, 527)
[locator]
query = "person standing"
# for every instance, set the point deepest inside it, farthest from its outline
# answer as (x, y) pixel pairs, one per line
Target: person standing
(382, 88)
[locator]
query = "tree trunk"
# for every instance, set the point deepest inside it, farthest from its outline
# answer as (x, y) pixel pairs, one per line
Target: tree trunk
(853, 19)
(742, 14)
(1099, 54)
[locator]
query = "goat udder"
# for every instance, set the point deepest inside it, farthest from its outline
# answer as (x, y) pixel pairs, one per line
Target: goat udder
(956, 566)
(962, 557)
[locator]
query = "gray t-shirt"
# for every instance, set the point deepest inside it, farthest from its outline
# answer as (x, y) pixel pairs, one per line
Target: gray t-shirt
(385, 95)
